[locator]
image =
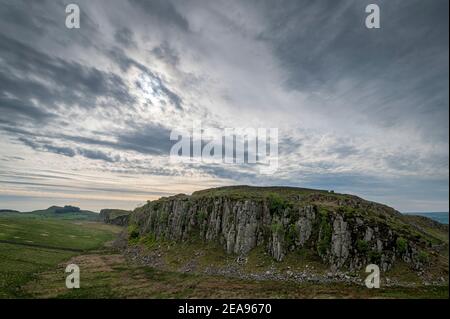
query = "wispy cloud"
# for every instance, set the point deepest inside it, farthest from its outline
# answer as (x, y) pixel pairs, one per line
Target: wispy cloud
(358, 111)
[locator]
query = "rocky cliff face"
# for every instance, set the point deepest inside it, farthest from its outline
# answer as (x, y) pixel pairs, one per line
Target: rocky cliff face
(345, 231)
(115, 216)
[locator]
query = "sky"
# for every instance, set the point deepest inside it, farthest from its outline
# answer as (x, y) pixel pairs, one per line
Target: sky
(86, 114)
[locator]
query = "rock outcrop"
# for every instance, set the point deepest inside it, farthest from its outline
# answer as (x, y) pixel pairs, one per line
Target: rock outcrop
(115, 216)
(344, 230)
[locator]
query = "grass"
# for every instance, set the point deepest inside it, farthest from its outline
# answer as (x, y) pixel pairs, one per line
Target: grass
(36, 272)
(111, 276)
(257, 193)
(32, 245)
(50, 213)
(80, 235)
(19, 265)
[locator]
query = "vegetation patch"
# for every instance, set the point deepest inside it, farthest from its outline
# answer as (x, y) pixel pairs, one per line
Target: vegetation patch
(20, 262)
(374, 256)
(402, 245)
(423, 257)
(133, 234)
(362, 246)
(277, 228)
(325, 234)
(277, 204)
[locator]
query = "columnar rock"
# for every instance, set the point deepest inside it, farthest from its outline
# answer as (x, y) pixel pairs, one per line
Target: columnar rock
(115, 216)
(344, 230)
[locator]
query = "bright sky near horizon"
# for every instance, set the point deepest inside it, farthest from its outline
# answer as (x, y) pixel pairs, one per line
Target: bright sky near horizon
(86, 114)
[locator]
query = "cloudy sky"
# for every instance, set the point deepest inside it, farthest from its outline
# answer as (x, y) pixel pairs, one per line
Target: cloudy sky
(86, 114)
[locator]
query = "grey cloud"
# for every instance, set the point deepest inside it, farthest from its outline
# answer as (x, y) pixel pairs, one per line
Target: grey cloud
(58, 187)
(69, 83)
(97, 155)
(42, 23)
(164, 11)
(391, 78)
(147, 139)
(342, 150)
(18, 13)
(66, 151)
(46, 146)
(150, 139)
(395, 75)
(166, 53)
(15, 110)
(231, 172)
(125, 63)
(125, 37)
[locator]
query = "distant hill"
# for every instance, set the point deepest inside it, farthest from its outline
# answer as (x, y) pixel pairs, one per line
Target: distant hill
(65, 212)
(441, 217)
(8, 211)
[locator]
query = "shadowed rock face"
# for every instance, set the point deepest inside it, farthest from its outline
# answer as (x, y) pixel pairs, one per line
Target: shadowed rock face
(345, 231)
(115, 216)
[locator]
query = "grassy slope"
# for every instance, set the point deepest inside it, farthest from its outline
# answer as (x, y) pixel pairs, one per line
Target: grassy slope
(111, 276)
(31, 245)
(39, 272)
(250, 192)
(201, 258)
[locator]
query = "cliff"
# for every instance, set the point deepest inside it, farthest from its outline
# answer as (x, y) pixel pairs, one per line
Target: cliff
(115, 216)
(345, 231)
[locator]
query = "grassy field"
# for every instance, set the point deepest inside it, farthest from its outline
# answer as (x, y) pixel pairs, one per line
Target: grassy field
(111, 276)
(32, 245)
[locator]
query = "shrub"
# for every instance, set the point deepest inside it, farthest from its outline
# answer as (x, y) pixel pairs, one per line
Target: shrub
(201, 216)
(277, 204)
(325, 235)
(402, 245)
(292, 234)
(277, 228)
(374, 257)
(133, 233)
(423, 257)
(362, 246)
